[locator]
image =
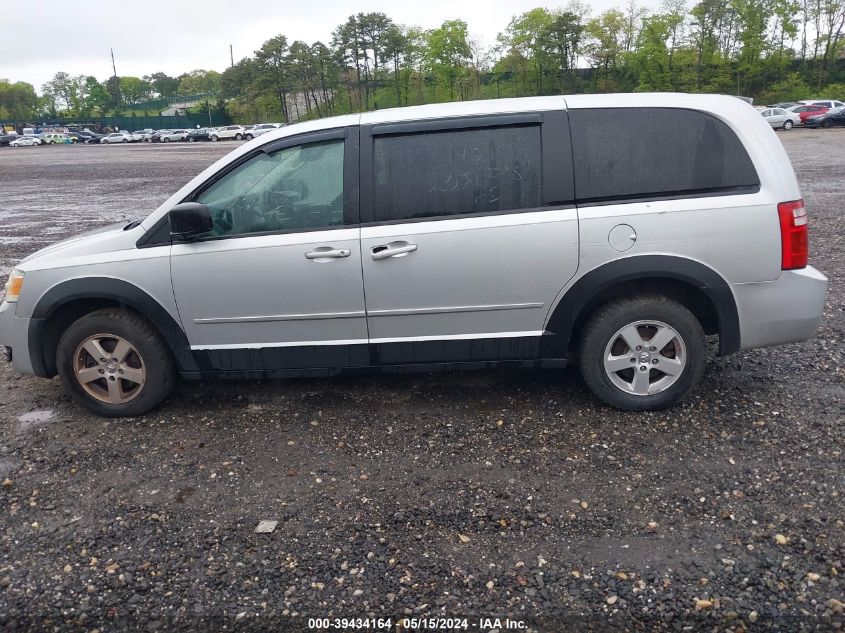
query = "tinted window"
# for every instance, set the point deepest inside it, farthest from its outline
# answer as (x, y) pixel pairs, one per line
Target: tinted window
(655, 152)
(454, 172)
(296, 188)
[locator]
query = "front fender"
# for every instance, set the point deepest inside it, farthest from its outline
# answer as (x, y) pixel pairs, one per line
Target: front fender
(114, 290)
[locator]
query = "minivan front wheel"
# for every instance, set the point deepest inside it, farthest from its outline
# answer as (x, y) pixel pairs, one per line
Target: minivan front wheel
(642, 353)
(114, 363)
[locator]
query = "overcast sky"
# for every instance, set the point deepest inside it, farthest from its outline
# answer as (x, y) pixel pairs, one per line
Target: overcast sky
(42, 37)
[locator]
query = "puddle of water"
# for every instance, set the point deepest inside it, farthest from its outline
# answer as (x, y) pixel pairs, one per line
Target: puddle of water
(184, 493)
(33, 419)
(7, 465)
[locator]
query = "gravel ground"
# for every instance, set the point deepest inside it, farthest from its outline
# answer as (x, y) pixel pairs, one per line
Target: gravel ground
(508, 493)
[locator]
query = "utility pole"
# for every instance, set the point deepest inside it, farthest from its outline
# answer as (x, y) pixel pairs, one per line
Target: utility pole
(231, 56)
(116, 80)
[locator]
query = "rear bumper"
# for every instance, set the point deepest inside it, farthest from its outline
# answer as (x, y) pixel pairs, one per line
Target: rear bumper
(785, 310)
(14, 336)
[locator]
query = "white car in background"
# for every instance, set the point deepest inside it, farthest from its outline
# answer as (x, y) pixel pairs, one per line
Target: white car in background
(827, 103)
(25, 141)
(117, 137)
(228, 132)
(175, 135)
(779, 118)
(261, 128)
(54, 138)
(141, 135)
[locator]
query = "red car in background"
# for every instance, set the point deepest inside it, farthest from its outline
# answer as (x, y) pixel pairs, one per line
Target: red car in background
(809, 110)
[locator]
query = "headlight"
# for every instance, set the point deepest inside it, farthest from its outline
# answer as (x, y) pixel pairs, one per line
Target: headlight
(14, 285)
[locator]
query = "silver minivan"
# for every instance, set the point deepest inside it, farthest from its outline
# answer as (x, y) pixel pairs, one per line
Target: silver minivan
(615, 230)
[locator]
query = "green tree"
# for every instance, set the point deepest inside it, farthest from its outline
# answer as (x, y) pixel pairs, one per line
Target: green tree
(562, 40)
(163, 84)
(199, 82)
(604, 47)
(134, 89)
(274, 70)
(447, 52)
(527, 36)
(60, 92)
(18, 101)
(395, 51)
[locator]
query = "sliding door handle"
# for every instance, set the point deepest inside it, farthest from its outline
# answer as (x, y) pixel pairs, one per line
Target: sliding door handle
(325, 252)
(394, 249)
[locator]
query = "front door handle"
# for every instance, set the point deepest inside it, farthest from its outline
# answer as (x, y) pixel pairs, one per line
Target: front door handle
(394, 249)
(326, 252)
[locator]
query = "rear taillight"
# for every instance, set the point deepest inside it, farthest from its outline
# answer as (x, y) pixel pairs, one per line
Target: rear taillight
(793, 234)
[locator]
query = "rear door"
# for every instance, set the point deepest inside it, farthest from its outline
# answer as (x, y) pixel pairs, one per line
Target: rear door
(468, 232)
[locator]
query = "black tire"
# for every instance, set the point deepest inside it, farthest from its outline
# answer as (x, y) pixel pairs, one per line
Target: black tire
(787, 125)
(125, 141)
(827, 123)
(151, 349)
(248, 137)
(166, 139)
(214, 138)
(190, 139)
(609, 319)
(238, 136)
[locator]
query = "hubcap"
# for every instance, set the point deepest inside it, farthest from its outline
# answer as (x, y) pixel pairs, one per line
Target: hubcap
(645, 358)
(109, 368)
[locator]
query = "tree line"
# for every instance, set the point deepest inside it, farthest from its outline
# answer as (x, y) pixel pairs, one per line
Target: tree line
(768, 49)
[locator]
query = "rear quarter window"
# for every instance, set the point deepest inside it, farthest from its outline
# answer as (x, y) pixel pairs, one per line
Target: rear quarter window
(635, 153)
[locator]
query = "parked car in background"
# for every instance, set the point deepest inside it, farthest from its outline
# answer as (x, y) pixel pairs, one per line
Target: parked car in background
(202, 134)
(784, 104)
(831, 118)
(828, 103)
(141, 135)
(7, 137)
(175, 135)
(228, 132)
(155, 137)
(92, 138)
(55, 138)
(117, 137)
(805, 111)
(780, 119)
(258, 130)
(25, 141)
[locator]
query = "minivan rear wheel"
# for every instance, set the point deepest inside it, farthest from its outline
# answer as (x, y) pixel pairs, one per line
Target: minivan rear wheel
(642, 353)
(114, 363)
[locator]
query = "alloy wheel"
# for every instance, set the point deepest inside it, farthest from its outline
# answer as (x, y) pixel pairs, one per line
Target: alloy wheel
(645, 358)
(109, 368)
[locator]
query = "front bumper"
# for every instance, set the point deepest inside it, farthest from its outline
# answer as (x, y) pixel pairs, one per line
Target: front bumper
(14, 336)
(785, 310)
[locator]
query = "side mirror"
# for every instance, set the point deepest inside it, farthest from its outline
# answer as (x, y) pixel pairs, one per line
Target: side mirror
(189, 219)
